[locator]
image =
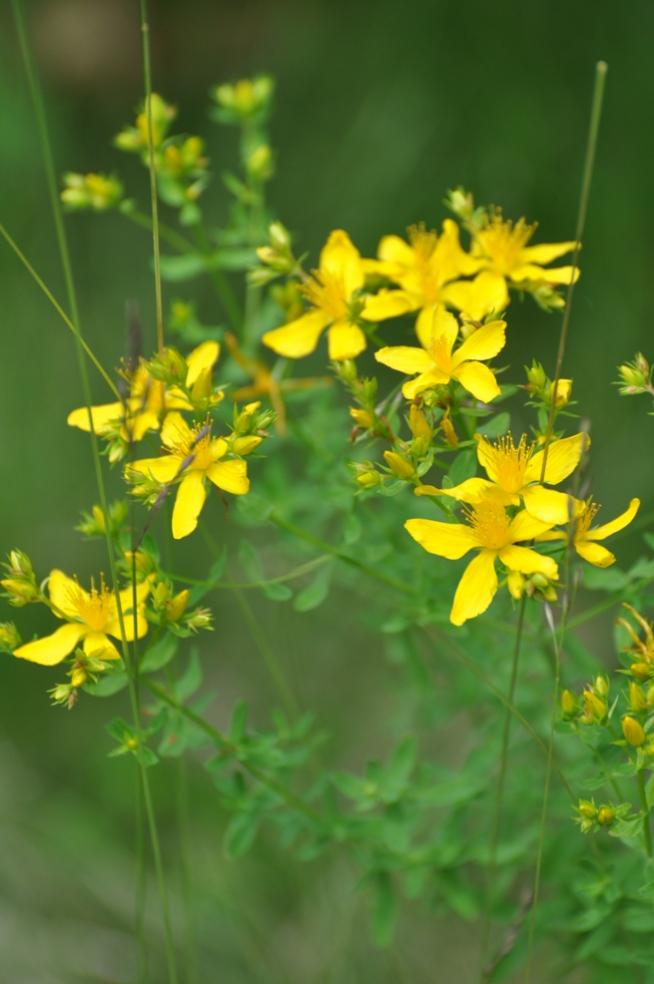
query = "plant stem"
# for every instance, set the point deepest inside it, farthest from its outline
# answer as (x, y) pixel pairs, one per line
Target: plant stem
(499, 789)
(82, 349)
(647, 834)
(70, 323)
(154, 203)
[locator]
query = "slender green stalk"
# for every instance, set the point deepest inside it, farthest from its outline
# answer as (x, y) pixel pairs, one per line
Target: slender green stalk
(297, 572)
(166, 234)
(499, 789)
(591, 146)
(60, 311)
(154, 202)
(183, 829)
(81, 349)
(647, 833)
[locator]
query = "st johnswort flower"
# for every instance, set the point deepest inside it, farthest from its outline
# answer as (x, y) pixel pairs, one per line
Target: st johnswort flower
(90, 618)
(191, 456)
(585, 536)
(438, 362)
(496, 536)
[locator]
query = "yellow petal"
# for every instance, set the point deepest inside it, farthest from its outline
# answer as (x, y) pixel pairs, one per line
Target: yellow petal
(474, 489)
(546, 252)
(595, 554)
(549, 506)
(426, 380)
(175, 431)
(188, 504)
(231, 476)
(218, 448)
(615, 525)
(484, 343)
(140, 424)
(405, 358)
(52, 649)
(476, 589)
(163, 469)
(126, 596)
(298, 338)
(562, 459)
(478, 380)
(387, 304)
(65, 594)
(528, 561)
(549, 275)
(97, 644)
(450, 540)
(201, 358)
(524, 526)
(394, 249)
(341, 259)
(105, 417)
(485, 294)
(434, 323)
(346, 341)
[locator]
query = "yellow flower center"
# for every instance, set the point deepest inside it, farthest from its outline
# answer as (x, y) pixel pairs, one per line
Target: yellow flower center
(195, 451)
(490, 523)
(511, 462)
(502, 242)
(95, 608)
(584, 521)
(326, 291)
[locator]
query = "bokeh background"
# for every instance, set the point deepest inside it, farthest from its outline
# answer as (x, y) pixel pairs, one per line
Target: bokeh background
(380, 109)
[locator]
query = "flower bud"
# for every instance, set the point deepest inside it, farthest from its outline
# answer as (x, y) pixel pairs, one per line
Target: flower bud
(175, 607)
(78, 676)
(9, 637)
(169, 367)
(418, 423)
(601, 686)
(399, 465)
(637, 699)
(200, 618)
(449, 432)
(362, 417)
(633, 731)
(246, 445)
(587, 809)
(568, 704)
(368, 478)
(605, 816)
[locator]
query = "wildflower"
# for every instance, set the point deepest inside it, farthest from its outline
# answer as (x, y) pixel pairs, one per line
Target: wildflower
(422, 268)
(496, 536)
(90, 618)
(19, 582)
(243, 100)
(584, 536)
(505, 260)
(135, 138)
(141, 411)
(333, 293)
(633, 731)
(99, 192)
(191, 456)
(514, 476)
(436, 363)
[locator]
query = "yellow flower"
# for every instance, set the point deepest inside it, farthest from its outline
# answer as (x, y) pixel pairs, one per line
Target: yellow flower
(332, 293)
(514, 475)
(143, 408)
(496, 536)
(436, 363)
(192, 456)
(90, 617)
(504, 259)
(584, 537)
(422, 268)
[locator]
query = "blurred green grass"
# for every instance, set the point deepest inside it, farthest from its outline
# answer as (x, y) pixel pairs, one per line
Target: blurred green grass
(379, 110)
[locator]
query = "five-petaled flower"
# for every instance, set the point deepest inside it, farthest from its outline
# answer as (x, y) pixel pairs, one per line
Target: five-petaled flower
(147, 401)
(496, 536)
(585, 536)
(191, 456)
(515, 474)
(333, 294)
(90, 617)
(437, 362)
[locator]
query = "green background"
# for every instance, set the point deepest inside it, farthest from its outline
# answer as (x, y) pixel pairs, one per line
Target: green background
(380, 109)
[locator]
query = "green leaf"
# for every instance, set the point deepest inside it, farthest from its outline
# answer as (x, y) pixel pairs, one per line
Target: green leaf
(604, 578)
(238, 724)
(463, 467)
(276, 592)
(314, 593)
(191, 679)
(396, 773)
(352, 530)
(248, 558)
(384, 910)
(240, 834)
(496, 426)
(159, 655)
(185, 267)
(107, 685)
